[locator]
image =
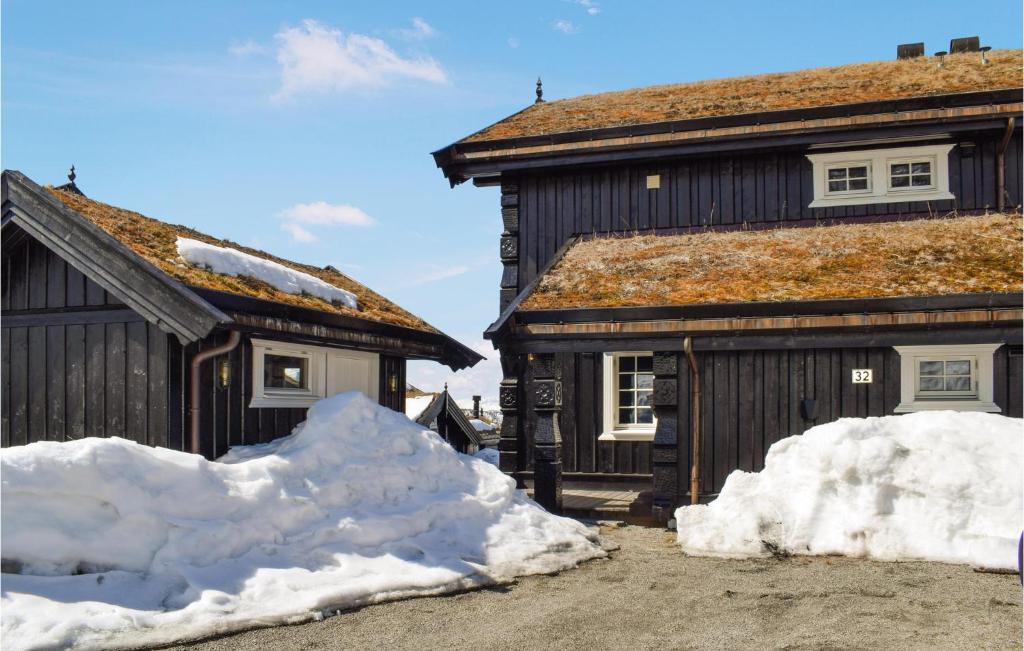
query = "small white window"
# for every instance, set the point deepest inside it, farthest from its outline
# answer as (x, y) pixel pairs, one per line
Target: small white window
(912, 174)
(946, 377)
(628, 397)
(297, 375)
(849, 178)
(846, 178)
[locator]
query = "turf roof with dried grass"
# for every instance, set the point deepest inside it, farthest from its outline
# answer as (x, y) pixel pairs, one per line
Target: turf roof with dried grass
(156, 242)
(816, 87)
(925, 257)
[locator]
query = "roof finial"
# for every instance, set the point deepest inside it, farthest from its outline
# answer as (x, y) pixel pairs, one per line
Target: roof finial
(540, 92)
(71, 173)
(446, 387)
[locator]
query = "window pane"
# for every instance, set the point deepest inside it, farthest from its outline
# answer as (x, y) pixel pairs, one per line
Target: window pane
(931, 383)
(921, 180)
(958, 367)
(858, 172)
(645, 382)
(643, 398)
(626, 380)
(283, 372)
(899, 168)
(858, 184)
(921, 168)
(626, 416)
(959, 383)
(836, 186)
(626, 398)
(645, 364)
(931, 368)
(644, 416)
(837, 173)
(901, 182)
(627, 363)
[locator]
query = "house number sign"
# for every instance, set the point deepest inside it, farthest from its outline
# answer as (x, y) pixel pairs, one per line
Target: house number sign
(862, 376)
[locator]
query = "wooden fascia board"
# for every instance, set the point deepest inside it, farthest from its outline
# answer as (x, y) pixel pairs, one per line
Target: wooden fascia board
(465, 164)
(157, 297)
(737, 325)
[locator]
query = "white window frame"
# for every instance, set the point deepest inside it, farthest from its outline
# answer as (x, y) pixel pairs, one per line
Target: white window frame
(910, 160)
(982, 378)
(319, 358)
(878, 161)
(610, 402)
(846, 164)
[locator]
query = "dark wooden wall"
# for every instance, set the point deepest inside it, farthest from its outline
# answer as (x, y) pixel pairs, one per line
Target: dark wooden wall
(82, 365)
(722, 192)
(392, 399)
(750, 399)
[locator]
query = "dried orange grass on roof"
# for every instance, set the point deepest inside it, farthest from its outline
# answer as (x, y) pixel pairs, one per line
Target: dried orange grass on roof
(958, 255)
(858, 82)
(156, 242)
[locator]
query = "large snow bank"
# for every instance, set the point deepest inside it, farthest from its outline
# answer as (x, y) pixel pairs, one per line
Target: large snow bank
(123, 545)
(939, 486)
(490, 455)
(232, 262)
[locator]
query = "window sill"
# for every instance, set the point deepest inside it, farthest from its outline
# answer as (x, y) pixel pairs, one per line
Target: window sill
(899, 197)
(283, 402)
(947, 405)
(628, 435)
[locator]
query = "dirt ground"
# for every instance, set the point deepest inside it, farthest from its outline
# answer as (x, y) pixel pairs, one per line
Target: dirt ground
(650, 596)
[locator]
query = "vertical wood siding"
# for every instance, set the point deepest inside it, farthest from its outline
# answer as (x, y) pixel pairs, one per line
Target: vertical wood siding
(723, 192)
(750, 400)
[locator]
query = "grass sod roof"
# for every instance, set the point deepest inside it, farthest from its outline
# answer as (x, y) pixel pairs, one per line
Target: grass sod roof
(927, 257)
(155, 241)
(816, 87)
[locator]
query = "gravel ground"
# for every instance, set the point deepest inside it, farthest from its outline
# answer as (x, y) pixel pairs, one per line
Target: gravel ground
(650, 596)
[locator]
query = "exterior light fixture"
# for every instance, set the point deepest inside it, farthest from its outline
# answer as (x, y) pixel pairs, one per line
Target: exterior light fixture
(224, 372)
(393, 382)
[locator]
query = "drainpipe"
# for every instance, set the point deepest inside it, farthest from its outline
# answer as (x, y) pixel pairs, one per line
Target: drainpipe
(1001, 165)
(695, 427)
(197, 360)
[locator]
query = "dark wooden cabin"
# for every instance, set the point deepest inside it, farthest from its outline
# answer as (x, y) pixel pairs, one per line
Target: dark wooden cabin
(799, 247)
(443, 415)
(103, 326)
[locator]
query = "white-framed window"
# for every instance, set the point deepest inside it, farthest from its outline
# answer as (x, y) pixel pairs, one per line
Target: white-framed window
(957, 377)
(628, 396)
(846, 178)
(297, 375)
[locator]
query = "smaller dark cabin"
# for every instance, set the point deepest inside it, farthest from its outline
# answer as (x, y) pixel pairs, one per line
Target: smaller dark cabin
(442, 414)
(108, 331)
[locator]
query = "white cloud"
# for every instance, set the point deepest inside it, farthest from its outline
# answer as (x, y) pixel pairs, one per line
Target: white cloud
(247, 48)
(592, 7)
(320, 213)
(316, 58)
(298, 233)
(565, 26)
(513, 42)
(481, 380)
(442, 273)
(420, 30)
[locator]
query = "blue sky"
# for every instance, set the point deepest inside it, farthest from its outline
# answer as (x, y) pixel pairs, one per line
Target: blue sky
(304, 128)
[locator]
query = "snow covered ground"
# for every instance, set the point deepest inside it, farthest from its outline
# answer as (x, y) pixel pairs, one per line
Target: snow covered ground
(490, 455)
(232, 262)
(121, 544)
(939, 486)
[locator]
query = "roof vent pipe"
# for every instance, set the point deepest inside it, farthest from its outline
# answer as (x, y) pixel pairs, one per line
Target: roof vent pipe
(984, 54)
(941, 55)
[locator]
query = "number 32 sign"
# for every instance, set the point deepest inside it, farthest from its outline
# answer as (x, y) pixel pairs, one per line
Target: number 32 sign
(862, 376)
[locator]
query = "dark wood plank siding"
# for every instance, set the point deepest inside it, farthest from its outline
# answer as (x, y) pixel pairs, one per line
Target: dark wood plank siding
(750, 400)
(724, 192)
(392, 367)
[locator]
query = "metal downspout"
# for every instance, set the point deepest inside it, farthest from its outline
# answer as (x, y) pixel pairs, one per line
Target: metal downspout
(1001, 165)
(197, 360)
(695, 427)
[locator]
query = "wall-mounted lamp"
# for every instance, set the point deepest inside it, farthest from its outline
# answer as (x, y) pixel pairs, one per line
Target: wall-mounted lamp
(224, 372)
(393, 382)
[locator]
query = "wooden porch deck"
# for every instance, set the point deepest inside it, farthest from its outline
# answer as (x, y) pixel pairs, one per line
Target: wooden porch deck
(632, 506)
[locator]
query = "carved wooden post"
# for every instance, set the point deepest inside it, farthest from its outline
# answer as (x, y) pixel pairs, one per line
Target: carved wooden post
(666, 448)
(509, 249)
(547, 439)
(511, 427)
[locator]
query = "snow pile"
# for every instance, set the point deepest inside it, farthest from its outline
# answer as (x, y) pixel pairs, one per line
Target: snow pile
(939, 486)
(232, 262)
(482, 426)
(125, 545)
(490, 455)
(414, 407)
